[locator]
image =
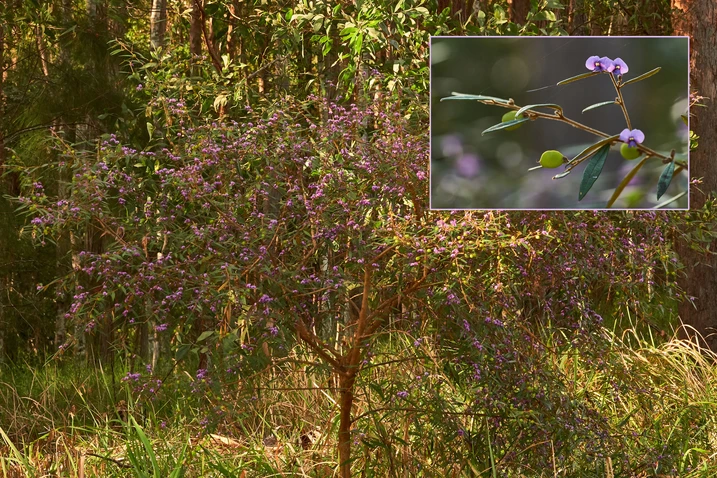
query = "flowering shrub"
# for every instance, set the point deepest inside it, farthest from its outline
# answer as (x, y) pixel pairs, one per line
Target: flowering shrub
(230, 241)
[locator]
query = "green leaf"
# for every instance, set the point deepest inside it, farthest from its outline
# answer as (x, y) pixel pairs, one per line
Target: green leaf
(462, 96)
(626, 180)
(150, 129)
(507, 124)
(665, 179)
(579, 77)
(593, 170)
(206, 334)
(641, 77)
(182, 351)
(598, 105)
(546, 105)
(590, 150)
(684, 119)
(147, 447)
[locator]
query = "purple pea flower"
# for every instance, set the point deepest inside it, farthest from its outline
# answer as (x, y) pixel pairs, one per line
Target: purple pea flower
(632, 138)
(596, 63)
(620, 67)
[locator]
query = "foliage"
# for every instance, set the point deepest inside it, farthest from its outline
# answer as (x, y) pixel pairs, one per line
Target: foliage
(249, 225)
(596, 153)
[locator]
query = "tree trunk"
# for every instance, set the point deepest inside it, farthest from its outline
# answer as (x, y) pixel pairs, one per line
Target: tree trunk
(519, 11)
(576, 17)
(195, 29)
(158, 24)
(346, 399)
(698, 19)
(3, 279)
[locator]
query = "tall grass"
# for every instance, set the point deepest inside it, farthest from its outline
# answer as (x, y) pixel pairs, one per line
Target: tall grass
(412, 418)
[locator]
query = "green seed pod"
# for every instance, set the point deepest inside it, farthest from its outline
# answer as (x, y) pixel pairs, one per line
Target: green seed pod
(552, 159)
(629, 153)
(510, 116)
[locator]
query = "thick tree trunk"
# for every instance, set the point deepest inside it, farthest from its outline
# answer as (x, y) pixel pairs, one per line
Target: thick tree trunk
(519, 11)
(157, 24)
(698, 18)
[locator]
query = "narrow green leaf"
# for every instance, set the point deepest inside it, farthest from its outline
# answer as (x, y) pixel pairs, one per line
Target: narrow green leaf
(641, 77)
(507, 124)
(531, 107)
(626, 181)
(19, 457)
(665, 179)
(463, 96)
(147, 447)
(579, 77)
(671, 200)
(598, 105)
(585, 153)
(593, 170)
(684, 119)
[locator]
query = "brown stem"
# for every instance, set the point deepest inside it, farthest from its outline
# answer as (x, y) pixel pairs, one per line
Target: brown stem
(209, 42)
(621, 101)
(346, 402)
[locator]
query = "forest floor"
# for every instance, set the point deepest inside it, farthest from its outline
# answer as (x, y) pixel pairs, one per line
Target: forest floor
(61, 419)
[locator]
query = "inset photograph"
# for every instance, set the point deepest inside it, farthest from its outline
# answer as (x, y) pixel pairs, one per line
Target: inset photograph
(560, 122)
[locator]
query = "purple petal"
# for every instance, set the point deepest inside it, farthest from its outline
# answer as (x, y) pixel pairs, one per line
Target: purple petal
(638, 135)
(607, 64)
(625, 135)
(620, 67)
(590, 62)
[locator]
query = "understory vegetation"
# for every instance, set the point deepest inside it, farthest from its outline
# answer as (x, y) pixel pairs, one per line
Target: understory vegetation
(217, 258)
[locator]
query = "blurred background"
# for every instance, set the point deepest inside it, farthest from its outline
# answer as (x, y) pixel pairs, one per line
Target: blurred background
(470, 171)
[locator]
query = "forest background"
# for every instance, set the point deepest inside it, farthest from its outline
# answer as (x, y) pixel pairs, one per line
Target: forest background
(217, 256)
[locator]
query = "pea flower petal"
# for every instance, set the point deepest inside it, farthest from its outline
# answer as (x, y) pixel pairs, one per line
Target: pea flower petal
(596, 63)
(632, 138)
(620, 67)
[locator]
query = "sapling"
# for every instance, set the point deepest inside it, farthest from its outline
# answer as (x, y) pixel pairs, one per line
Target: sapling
(630, 139)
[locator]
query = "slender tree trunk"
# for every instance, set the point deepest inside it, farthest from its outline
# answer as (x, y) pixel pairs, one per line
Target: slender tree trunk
(698, 18)
(576, 17)
(3, 314)
(195, 29)
(158, 24)
(346, 399)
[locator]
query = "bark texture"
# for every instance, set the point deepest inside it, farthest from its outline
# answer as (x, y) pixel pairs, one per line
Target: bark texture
(158, 24)
(698, 19)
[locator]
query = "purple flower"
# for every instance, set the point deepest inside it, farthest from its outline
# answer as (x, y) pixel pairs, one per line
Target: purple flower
(402, 394)
(632, 138)
(595, 63)
(620, 67)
